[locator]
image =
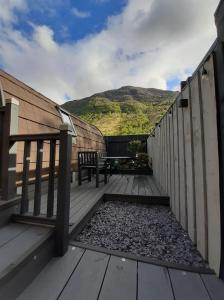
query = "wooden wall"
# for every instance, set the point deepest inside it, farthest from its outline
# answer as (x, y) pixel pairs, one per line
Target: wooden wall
(38, 114)
(185, 158)
(118, 145)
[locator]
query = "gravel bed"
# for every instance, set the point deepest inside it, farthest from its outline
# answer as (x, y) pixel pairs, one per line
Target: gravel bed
(142, 230)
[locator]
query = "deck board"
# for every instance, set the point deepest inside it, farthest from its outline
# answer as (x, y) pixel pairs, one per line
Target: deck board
(187, 285)
(86, 281)
(150, 280)
(84, 274)
(52, 279)
(120, 281)
(215, 287)
(13, 252)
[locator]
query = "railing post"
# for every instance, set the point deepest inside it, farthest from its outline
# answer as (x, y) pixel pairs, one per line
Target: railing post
(63, 197)
(8, 159)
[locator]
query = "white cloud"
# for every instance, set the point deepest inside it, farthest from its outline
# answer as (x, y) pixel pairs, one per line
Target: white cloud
(150, 42)
(44, 37)
(79, 13)
(8, 9)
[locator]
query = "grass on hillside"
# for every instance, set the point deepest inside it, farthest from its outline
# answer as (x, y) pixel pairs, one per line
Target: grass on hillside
(125, 118)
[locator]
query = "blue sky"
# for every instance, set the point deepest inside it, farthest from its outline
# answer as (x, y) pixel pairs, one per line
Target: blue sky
(70, 20)
(69, 49)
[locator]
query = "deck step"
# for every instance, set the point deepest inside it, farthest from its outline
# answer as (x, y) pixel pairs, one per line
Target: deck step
(24, 251)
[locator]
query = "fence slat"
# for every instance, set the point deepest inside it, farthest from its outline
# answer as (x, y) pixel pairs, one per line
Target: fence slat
(199, 172)
(25, 178)
(50, 196)
(37, 195)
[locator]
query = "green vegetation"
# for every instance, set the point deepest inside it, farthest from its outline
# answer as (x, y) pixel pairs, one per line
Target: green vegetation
(123, 115)
(134, 147)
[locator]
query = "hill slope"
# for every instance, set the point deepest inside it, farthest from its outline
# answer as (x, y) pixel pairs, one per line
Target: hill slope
(128, 110)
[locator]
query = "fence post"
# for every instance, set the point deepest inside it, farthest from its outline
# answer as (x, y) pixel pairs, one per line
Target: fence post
(63, 197)
(8, 159)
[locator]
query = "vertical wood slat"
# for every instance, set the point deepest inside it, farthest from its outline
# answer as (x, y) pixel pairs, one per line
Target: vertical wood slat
(25, 178)
(190, 189)
(176, 162)
(183, 205)
(211, 164)
(37, 195)
(50, 196)
(200, 191)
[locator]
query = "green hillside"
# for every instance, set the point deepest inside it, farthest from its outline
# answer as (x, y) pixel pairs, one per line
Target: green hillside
(128, 110)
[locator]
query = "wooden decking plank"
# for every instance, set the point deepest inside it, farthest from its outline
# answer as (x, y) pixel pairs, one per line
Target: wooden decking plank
(135, 187)
(52, 279)
(153, 283)
(112, 184)
(153, 186)
(148, 190)
(214, 286)
(129, 185)
(120, 185)
(123, 187)
(10, 232)
(14, 251)
(120, 281)
(87, 204)
(141, 188)
(187, 285)
(86, 280)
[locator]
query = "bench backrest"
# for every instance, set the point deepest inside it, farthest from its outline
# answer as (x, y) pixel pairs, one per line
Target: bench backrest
(89, 158)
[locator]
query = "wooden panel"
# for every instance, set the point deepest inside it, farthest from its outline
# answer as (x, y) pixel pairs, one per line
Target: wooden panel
(176, 162)
(86, 280)
(199, 168)
(183, 204)
(187, 286)
(211, 165)
(168, 155)
(172, 164)
(153, 283)
(190, 189)
(120, 281)
(52, 279)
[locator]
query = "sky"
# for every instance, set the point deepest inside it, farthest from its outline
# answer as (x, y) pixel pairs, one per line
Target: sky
(70, 49)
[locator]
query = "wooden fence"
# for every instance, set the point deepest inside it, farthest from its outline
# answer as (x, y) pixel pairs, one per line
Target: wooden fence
(185, 159)
(118, 145)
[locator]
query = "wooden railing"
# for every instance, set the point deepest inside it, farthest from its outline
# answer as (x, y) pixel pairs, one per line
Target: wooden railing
(61, 219)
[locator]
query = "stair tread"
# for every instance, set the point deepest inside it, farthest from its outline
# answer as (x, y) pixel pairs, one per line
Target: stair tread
(17, 241)
(51, 280)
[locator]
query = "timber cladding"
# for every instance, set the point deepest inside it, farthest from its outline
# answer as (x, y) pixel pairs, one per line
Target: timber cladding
(185, 159)
(39, 114)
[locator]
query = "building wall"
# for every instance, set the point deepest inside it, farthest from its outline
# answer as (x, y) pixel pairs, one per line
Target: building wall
(185, 159)
(38, 114)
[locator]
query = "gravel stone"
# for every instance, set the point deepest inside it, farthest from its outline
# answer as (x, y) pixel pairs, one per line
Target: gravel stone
(142, 230)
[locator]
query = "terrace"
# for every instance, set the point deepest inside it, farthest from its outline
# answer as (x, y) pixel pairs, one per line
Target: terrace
(43, 210)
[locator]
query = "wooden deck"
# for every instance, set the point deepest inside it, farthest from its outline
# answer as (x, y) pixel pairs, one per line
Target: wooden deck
(86, 196)
(88, 275)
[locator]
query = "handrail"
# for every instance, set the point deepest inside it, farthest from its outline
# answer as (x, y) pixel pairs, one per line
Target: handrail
(34, 137)
(59, 206)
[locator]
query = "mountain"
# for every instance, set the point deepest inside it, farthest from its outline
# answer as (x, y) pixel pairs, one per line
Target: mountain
(127, 110)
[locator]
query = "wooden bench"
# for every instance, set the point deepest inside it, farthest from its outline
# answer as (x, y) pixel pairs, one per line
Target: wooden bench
(92, 161)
